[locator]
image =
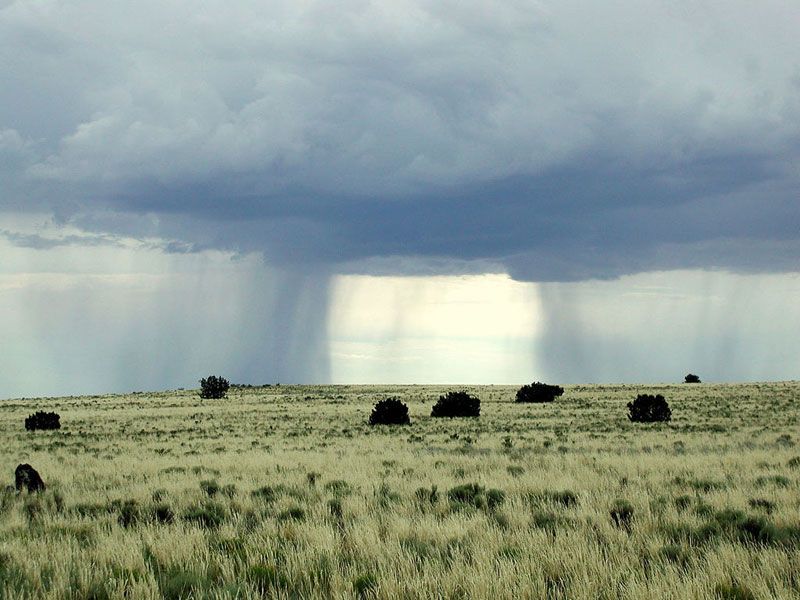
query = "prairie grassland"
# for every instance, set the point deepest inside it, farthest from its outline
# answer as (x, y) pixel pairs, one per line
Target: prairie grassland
(287, 492)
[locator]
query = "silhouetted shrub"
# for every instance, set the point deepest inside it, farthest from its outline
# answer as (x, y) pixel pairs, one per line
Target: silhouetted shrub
(214, 387)
(649, 409)
(538, 392)
(43, 420)
(457, 404)
(389, 412)
(691, 378)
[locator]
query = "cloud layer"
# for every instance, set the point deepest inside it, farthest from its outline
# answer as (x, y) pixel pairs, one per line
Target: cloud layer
(553, 140)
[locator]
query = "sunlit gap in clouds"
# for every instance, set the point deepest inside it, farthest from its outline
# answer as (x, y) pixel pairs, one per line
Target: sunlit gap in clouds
(445, 329)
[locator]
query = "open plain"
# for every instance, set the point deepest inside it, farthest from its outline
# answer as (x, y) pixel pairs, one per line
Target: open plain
(288, 492)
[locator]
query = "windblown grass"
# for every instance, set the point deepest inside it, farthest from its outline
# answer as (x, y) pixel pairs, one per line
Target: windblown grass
(287, 492)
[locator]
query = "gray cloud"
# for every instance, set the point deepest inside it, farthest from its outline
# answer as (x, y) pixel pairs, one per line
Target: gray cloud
(558, 140)
(39, 242)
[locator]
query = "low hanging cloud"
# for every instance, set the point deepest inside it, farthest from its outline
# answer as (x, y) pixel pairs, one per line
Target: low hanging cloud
(553, 140)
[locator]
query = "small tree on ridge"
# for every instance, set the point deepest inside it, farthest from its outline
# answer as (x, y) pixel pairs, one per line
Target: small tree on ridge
(214, 387)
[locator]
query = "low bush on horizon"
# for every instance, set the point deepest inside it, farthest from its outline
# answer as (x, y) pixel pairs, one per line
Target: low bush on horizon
(457, 404)
(648, 408)
(214, 387)
(538, 392)
(43, 420)
(389, 412)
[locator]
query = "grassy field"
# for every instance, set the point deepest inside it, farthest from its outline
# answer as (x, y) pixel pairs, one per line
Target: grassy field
(287, 492)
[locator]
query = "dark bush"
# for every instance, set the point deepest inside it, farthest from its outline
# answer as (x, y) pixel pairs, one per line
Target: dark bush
(457, 404)
(43, 420)
(214, 387)
(691, 378)
(538, 392)
(649, 409)
(389, 412)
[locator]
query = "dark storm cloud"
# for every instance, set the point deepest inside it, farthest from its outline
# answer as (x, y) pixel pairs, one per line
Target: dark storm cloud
(38, 242)
(557, 141)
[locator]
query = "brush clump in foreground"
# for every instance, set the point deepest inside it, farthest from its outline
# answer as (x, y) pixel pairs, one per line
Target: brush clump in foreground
(289, 492)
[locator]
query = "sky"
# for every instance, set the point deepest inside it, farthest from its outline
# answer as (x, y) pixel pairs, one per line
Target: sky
(407, 191)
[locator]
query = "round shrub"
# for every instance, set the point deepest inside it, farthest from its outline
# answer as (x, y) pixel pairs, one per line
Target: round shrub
(457, 404)
(389, 412)
(43, 420)
(214, 387)
(649, 409)
(691, 378)
(538, 392)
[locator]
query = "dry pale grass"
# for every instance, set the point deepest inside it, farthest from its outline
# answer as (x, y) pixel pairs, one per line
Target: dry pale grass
(286, 492)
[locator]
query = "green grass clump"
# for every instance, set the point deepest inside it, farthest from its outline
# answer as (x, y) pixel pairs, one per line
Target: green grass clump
(293, 513)
(733, 591)
(565, 498)
(266, 579)
(515, 471)
(181, 584)
(364, 585)
(622, 514)
(776, 480)
(163, 513)
(677, 555)
(208, 515)
(339, 488)
(762, 504)
(265, 493)
(210, 487)
(128, 511)
(427, 496)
